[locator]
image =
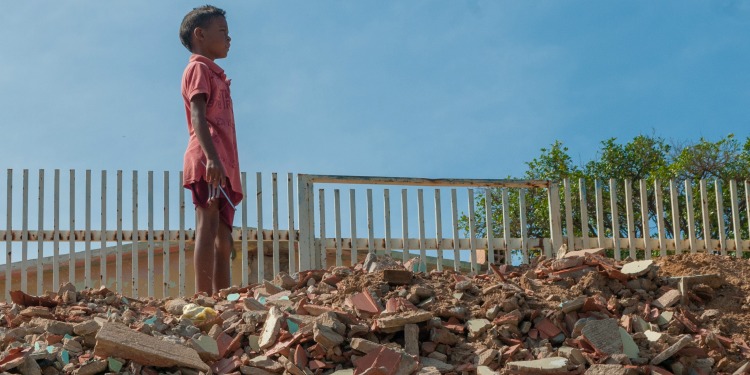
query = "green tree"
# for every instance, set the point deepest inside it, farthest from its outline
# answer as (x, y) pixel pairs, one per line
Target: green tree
(647, 158)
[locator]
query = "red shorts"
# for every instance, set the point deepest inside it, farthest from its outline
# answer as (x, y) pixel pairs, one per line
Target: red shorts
(200, 198)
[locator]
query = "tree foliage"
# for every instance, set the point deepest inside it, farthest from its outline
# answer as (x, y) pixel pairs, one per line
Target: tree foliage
(648, 161)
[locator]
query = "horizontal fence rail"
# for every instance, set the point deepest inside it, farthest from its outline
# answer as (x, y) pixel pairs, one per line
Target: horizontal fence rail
(131, 231)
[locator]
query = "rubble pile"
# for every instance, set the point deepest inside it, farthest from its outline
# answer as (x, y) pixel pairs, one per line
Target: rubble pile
(581, 313)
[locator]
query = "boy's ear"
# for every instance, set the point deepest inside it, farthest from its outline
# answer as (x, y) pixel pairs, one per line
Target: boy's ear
(197, 33)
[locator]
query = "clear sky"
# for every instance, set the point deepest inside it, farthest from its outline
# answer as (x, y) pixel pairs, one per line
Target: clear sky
(398, 88)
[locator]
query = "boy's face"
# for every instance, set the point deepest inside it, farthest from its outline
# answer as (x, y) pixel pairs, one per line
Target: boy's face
(212, 41)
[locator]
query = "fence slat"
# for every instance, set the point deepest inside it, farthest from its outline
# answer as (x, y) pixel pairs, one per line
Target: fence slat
(40, 235)
(630, 218)
(387, 218)
(87, 248)
(25, 232)
(8, 234)
(323, 250)
(615, 218)
(488, 222)
(181, 233)
(370, 224)
(677, 235)
(292, 234)
(405, 225)
(337, 218)
(599, 214)
(706, 217)
(522, 217)
(56, 226)
(690, 215)
(259, 203)
(72, 223)
(720, 217)
(118, 250)
(645, 220)
(438, 230)
(454, 225)
(735, 218)
(584, 213)
(244, 241)
(103, 243)
(659, 200)
(353, 226)
(569, 231)
(135, 239)
(166, 277)
(553, 199)
(506, 225)
(151, 247)
(275, 223)
(420, 221)
(472, 233)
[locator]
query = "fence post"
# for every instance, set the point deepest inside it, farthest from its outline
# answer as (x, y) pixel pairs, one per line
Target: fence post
(306, 223)
(555, 229)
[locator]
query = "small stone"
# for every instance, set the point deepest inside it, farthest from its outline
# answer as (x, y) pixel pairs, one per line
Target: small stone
(92, 367)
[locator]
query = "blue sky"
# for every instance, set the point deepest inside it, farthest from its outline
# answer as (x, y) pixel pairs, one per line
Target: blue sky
(404, 88)
(461, 89)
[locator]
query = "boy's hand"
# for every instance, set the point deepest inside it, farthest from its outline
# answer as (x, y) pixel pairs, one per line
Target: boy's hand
(215, 177)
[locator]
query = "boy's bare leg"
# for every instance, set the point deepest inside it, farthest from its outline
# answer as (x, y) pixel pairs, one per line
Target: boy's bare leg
(207, 227)
(223, 250)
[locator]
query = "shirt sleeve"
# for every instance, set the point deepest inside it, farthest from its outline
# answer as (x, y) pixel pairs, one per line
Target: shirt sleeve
(197, 81)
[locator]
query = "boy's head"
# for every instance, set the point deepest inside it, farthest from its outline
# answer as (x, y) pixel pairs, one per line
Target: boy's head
(202, 18)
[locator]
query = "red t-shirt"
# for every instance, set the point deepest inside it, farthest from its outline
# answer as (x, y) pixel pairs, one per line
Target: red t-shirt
(203, 76)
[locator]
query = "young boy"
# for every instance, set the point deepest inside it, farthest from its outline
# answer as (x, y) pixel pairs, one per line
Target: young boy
(211, 167)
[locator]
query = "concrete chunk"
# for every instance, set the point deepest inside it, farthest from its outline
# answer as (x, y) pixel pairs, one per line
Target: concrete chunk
(604, 336)
(117, 340)
(668, 299)
(551, 365)
(670, 351)
(637, 268)
(271, 328)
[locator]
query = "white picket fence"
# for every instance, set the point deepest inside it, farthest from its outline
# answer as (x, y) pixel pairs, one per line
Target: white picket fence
(319, 239)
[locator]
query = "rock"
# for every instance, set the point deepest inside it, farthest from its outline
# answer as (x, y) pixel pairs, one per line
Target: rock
(92, 367)
(477, 327)
(670, 351)
(551, 365)
(175, 306)
(668, 299)
(398, 320)
(326, 336)
(271, 328)
(411, 339)
(637, 268)
(115, 339)
(439, 365)
(604, 335)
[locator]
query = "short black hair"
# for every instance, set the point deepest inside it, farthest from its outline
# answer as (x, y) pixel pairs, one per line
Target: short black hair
(198, 17)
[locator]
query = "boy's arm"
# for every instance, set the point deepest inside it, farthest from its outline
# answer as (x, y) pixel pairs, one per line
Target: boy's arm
(215, 173)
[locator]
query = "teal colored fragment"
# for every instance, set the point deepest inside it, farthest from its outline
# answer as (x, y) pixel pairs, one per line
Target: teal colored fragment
(50, 349)
(286, 298)
(65, 357)
(293, 326)
(262, 300)
(114, 365)
(37, 347)
(150, 321)
(233, 297)
(68, 336)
